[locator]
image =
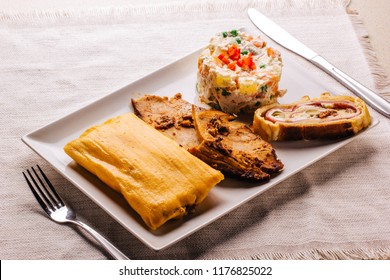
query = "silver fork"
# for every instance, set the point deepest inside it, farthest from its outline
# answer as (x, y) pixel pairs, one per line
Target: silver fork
(58, 211)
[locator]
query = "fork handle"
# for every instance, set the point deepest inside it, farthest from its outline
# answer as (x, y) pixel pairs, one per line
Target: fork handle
(111, 249)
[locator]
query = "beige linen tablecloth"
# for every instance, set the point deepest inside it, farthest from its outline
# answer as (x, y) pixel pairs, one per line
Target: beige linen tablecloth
(54, 62)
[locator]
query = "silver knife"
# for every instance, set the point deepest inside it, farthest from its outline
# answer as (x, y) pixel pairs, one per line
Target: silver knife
(282, 37)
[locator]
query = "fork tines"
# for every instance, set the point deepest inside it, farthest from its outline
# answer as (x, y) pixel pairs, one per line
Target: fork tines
(43, 190)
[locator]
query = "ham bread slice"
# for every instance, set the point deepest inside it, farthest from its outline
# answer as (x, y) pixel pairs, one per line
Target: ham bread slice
(326, 117)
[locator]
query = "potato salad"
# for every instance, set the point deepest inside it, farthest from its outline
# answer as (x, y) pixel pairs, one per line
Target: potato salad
(238, 73)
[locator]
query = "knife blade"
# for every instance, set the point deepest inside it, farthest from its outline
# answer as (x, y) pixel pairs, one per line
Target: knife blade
(285, 39)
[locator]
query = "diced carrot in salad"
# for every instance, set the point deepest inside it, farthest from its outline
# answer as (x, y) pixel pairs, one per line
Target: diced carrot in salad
(257, 44)
(224, 58)
(233, 57)
(234, 52)
(232, 65)
(246, 62)
(270, 52)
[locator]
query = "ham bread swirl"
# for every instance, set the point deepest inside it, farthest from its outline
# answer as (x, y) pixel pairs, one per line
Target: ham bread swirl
(326, 117)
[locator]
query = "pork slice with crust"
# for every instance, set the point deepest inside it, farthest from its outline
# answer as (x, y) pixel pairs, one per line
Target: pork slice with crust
(171, 116)
(231, 147)
(212, 136)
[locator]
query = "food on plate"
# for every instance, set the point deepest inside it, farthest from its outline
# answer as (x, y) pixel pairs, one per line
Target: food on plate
(326, 117)
(238, 73)
(228, 146)
(231, 146)
(158, 178)
(172, 116)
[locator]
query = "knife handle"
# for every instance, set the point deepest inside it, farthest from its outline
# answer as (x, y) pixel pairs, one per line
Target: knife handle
(375, 101)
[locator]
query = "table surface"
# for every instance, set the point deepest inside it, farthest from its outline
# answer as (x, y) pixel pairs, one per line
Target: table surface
(317, 213)
(375, 17)
(376, 21)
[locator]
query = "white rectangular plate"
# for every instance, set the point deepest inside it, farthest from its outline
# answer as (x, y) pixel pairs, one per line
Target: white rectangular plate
(179, 76)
